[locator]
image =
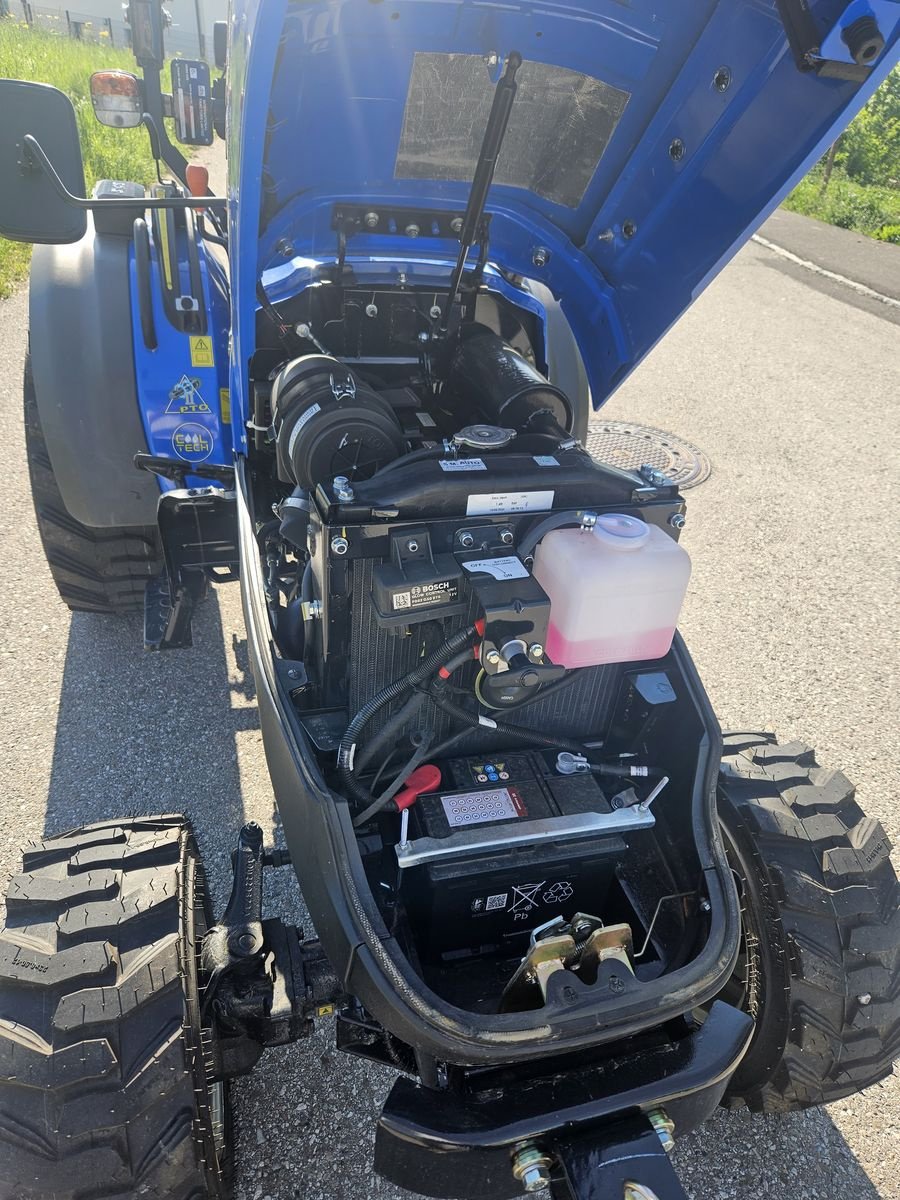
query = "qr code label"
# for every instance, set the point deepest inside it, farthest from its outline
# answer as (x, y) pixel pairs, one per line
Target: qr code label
(494, 902)
(402, 600)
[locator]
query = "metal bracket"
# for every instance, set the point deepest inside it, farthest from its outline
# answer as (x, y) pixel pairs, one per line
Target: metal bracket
(624, 1160)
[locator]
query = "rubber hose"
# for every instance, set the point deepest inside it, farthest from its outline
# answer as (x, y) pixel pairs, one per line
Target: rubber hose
(427, 667)
(406, 459)
(531, 538)
(390, 729)
(515, 731)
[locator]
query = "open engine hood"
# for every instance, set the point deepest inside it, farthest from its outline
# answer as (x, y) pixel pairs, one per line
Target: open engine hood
(649, 139)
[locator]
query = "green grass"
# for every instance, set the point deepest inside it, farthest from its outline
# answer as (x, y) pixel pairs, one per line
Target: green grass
(867, 208)
(67, 64)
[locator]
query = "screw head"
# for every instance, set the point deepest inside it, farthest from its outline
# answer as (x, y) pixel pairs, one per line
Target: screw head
(492, 658)
(705, 905)
(506, 537)
(339, 545)
(412, 546)
(456, 225)
(435, 311)
(629, 229)
(677, 520)
(285, 248)
(535, 650)
(676, 150)
(370, 220)
(722, 79)
(466, 540)
(541, 256)
(372, 310)
(412, 230)
(865, 998)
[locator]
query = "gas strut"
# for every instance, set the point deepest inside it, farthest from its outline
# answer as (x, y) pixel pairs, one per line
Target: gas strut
(495, 131)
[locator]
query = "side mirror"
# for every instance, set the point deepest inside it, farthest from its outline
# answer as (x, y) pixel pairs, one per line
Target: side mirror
(31, 210)
(117, 100)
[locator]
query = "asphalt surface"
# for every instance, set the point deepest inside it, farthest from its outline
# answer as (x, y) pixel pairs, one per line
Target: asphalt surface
(791, 388)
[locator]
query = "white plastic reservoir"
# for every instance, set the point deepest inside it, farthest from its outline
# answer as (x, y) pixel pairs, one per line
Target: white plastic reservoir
(615, 591)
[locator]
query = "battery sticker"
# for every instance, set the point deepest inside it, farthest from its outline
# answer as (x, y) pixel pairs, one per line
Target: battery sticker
(201, 351)
(545, 460)
(474, 808)
(509, 567)
(494, 902)
(185, 397)
(484, 504)
(462, 464)
(422, 595)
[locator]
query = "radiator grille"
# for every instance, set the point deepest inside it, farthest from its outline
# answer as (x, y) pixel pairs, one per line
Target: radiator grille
(377, 658)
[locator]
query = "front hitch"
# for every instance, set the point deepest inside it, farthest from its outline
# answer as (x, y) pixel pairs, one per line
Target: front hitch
(629, 1160)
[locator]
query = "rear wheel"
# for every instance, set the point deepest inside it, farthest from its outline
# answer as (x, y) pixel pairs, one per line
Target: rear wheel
(104, 1070)
(819, 966)
(95, 570)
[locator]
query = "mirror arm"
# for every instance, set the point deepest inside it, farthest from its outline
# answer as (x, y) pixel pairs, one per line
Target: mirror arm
(34, 156)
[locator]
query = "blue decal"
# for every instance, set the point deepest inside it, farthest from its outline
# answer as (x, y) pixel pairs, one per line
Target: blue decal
(192, 442)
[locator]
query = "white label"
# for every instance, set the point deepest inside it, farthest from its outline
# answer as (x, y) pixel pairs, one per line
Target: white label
(483, 505)
(545, 460)
(307, 416)
(474, 808)
(462, 464)
(500, 568)
(495, 902)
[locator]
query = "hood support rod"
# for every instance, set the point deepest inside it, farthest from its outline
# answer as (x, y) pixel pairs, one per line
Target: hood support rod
(495, 131)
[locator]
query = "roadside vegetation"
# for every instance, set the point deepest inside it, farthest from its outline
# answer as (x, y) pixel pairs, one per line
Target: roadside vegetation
(46, 57)
(857, 184)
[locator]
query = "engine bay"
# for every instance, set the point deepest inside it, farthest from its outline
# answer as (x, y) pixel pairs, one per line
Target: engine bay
(477, 621)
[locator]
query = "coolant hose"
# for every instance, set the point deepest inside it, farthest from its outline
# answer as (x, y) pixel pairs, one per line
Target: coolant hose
(531, 538)
(428, 666)
(413, 457)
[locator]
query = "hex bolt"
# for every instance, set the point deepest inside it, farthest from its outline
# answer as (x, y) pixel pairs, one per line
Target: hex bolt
(456, 225)
(466, 540)
(412, 546)
(285, 248)
(342, 490)
(536, 650)
(371, 219)
(705, 905)
(532, 1168)
(541, 256)
(677, 520)
(664, 1126)
(372, 310)
(293, 673)
(435, 311)
(412, 230)
(339, 545)
(865, 998)
(492, 658)
(506, 537)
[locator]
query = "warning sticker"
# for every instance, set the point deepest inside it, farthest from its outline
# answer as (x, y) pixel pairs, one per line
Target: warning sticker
(508, 567)
(225, 404)
(202, 352)
(473, 808)
(192, 442)
(185, 397)
(525, 898)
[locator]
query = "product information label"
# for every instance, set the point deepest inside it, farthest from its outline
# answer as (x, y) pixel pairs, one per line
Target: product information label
(423, 595)
(545, 460)
(462, 464)
(484, 504)
(509, 567)
(474, 808)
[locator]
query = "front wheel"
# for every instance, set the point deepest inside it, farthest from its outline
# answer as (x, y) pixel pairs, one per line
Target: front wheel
(104, 1072)
(819, 965)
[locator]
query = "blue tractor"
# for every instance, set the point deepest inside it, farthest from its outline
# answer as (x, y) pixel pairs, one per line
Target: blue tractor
(546, 889)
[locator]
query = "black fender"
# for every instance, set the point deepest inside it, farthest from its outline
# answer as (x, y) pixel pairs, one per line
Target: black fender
(83, 364)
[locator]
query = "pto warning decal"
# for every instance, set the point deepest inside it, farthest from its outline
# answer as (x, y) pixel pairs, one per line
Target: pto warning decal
(192, 442)
(202, 352)
(185, 397)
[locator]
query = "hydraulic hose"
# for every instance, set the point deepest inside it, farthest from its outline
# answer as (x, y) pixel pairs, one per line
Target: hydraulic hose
(428, 666)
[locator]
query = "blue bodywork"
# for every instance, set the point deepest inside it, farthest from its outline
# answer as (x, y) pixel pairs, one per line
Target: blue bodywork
(317, 98)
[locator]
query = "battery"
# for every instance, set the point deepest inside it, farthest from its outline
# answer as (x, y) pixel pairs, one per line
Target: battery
(488, 902)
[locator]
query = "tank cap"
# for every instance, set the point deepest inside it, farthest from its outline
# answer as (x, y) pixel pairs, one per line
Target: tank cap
(621, 530)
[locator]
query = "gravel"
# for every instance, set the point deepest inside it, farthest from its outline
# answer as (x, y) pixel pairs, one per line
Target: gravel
(791, 617)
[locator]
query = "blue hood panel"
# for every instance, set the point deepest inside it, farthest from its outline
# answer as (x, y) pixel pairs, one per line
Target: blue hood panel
(650, 138)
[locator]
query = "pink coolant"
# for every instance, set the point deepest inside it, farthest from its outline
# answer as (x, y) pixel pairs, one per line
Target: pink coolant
(615, 591)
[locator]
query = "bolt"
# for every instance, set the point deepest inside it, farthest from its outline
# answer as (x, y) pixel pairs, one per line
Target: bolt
(606, 236)
(677, 520)
(412, 546)
(246, 942)
(535, 650)
(865, 998)
(676, 150)
(722, 79)
(506, 537)
(466, 540)
(412, 230)
(705, 905)
(456, 225)
(664, 1126)
(532, 1168)
(401, 279)
(424, 336)
(629, 229)
(372, 310)
(339, 545)
(293, 673)
(284, 248)
(492, 658)
(435, 311)
(541, 256)
(342, 489)
(370, 220)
